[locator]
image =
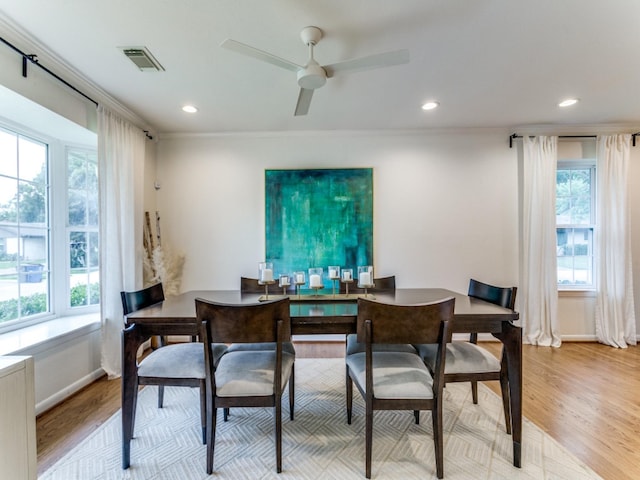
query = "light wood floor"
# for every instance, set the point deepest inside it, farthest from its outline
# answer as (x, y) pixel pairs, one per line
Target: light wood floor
(585, 395)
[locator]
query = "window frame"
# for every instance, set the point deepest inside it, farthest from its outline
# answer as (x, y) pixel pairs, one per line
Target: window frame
(59, 304)
(574, 164)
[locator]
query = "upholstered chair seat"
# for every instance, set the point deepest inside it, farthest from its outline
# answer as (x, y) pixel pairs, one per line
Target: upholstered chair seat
(395, 374)
(257, 367)
(461, 357)
(180, 360)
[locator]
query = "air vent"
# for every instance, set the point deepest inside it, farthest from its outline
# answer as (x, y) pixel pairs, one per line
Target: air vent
(143, 59)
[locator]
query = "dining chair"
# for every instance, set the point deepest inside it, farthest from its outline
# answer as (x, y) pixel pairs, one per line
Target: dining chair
(246, 378)
(469, 362)
(383, 284)
(179, 364)
(400, 380)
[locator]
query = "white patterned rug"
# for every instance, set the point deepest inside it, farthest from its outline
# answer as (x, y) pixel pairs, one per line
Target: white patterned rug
(318, 444)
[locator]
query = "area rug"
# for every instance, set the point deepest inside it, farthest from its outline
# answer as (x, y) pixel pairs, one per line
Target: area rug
(318, 444)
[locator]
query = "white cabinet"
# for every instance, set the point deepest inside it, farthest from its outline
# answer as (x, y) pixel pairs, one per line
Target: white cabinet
(18, 460)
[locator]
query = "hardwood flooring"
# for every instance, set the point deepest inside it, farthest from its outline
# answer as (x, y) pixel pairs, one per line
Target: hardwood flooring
(585, 395)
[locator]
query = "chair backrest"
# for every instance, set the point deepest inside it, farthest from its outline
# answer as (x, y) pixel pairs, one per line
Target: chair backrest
(382, 284)
(249, 323)
(503, 296)
(250, 285)
(419, 323)
(134, 301)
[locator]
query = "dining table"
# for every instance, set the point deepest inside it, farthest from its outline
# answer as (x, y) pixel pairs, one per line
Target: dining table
(319, 313)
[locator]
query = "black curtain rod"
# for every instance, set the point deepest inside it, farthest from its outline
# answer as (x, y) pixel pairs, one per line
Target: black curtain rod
(34, 59)
(514, 136)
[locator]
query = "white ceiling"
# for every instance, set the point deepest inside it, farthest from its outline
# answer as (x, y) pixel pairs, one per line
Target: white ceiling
(490, 63)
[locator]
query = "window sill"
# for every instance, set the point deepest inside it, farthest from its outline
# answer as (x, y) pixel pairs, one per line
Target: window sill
(42, 336)
(577, 293)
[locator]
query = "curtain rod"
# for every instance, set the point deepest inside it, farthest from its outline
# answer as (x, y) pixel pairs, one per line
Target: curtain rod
(515, 135)
(34, 59)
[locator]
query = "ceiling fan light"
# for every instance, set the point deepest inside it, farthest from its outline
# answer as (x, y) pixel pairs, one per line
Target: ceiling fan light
(568, 102)
(189, 109)
(430, 105)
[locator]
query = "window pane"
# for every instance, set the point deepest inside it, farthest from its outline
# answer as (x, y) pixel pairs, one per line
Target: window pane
(8, 197)
(77, 207)
(24, 228)
(82, 201)
(576, 219)
(8, 154)
(573, 197)
(31, 202)
(32, 160)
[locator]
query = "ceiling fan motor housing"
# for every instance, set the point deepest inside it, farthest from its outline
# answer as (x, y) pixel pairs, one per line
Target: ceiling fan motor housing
(312, 77)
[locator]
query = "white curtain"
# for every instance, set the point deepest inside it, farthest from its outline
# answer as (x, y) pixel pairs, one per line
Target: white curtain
(615, 317)
(121, 151)
(539, 276)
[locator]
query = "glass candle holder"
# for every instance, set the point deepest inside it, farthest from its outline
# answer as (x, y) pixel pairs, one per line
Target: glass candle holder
(346, 277)
(265, 273)
(299, 279)
(334, 276)
(284, 281)
(365, 277)
(315, 279)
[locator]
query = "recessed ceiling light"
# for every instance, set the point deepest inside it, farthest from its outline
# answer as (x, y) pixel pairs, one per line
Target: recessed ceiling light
(568, 102)
(189, 109)
(430, 105)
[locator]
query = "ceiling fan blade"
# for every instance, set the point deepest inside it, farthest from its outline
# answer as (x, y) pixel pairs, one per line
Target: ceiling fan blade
(259, 54)
(378, 60)
(304, 100)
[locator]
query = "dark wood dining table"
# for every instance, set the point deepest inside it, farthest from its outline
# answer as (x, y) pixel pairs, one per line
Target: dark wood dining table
(176, 315)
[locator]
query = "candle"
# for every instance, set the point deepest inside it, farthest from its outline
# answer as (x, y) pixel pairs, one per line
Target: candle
(333, 273)
(346, 275)
(267, 275)
(315, 281)
(365, 278)
(284, 281)
(300, 278)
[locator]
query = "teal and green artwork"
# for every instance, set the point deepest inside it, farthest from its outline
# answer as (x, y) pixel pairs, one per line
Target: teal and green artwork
(319, 217)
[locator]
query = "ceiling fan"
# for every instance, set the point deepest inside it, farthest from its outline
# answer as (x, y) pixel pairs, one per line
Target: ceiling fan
(313, 75)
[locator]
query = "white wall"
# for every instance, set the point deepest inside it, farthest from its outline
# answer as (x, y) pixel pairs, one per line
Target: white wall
(445, 206)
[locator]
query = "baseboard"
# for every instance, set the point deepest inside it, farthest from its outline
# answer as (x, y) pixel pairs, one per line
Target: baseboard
(63, 394)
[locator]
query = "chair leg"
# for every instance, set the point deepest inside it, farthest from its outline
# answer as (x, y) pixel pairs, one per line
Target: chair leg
(278, 414)
(436, 416)
(368, 438)
(474, 391)
(211, 437)
(349, 395)
(225, 413)
(506, 398)
(160, 395)
(292, 391)
(416, 414)
(203, 411)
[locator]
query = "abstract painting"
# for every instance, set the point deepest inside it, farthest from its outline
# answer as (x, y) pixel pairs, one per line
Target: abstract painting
(319, 217)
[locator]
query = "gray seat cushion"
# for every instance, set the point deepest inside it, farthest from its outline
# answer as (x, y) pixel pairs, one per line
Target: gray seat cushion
(353, 346)
(180, 360)
(395, 375)
(249, 373)
(462, 357)
(238, 347)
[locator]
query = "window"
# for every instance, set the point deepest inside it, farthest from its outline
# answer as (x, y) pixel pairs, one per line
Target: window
(82, 227)
(575, 223)
(42, 182)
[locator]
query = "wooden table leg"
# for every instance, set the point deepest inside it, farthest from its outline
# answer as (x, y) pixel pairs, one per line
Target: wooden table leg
(131, 340)
(511, 338)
